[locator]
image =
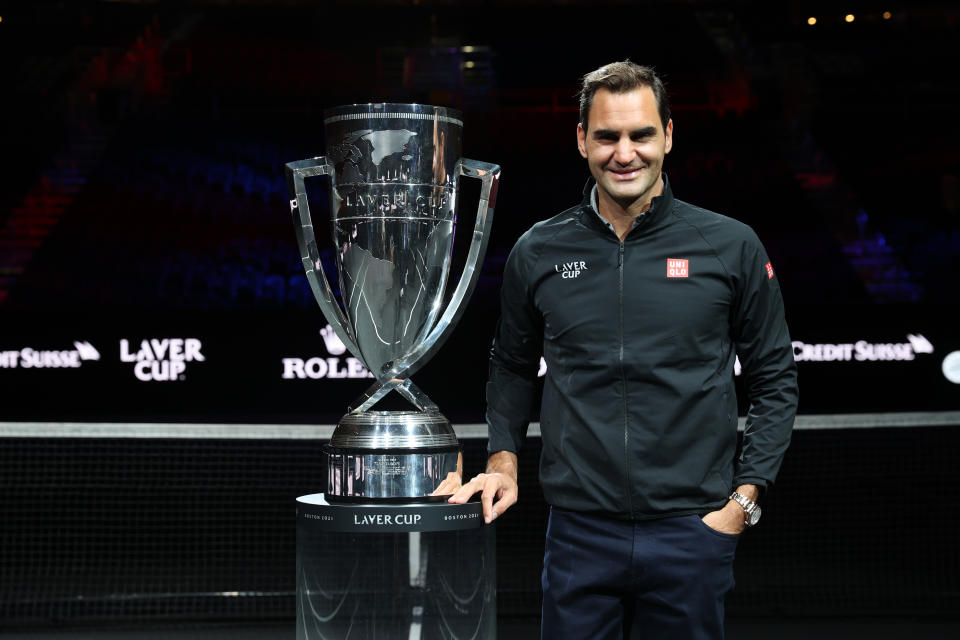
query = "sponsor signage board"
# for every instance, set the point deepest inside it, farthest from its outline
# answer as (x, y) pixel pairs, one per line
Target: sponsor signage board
(223, 367)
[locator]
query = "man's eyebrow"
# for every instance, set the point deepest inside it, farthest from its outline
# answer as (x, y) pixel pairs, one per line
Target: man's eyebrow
(643, 132)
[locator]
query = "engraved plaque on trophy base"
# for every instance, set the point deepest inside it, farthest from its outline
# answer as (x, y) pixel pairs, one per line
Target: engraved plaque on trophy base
(390, 456)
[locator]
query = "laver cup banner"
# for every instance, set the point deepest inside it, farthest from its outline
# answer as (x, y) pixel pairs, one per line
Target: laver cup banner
(395, 170)
(278, 366)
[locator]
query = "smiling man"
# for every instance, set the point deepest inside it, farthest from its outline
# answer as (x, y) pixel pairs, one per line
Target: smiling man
(624, 149)
(640, 304)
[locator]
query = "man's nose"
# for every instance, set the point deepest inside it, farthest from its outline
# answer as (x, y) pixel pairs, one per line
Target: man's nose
(623, 152)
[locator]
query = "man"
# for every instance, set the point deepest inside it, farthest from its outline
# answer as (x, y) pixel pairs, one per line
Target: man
(640, 304)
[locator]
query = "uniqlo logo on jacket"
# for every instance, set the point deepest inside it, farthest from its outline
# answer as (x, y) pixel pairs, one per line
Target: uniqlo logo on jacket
(678, 268)
(769, 271)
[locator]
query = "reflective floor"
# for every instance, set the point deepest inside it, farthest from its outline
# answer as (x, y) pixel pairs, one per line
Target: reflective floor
(737, 629)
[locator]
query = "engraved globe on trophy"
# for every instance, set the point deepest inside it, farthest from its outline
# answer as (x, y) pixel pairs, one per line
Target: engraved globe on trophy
(394, 170)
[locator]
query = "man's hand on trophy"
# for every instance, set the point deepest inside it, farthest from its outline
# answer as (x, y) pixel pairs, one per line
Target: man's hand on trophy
(450, 485)
(453, 481)
(498, 483)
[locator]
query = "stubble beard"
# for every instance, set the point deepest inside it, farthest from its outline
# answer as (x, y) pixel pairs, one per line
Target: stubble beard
(627, 200)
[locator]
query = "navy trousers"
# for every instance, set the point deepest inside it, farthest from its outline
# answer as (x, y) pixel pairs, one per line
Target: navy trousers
(659, 579)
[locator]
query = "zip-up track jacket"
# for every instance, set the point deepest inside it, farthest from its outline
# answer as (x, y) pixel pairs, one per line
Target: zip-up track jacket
(639, 414)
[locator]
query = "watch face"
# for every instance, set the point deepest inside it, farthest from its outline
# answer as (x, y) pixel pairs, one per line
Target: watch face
(754, 516)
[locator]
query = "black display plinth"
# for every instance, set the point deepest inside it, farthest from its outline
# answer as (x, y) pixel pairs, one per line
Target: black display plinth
(394, 571)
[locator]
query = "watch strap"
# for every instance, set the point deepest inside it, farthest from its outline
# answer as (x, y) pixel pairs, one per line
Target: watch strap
(749, 506)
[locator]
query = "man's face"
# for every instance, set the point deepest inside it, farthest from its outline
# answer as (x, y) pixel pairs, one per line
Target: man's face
(625, 144)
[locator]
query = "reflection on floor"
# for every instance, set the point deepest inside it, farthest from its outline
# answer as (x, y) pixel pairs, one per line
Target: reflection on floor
(527, 629)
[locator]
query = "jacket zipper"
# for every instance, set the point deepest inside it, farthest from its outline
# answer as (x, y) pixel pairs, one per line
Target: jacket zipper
(623, 380)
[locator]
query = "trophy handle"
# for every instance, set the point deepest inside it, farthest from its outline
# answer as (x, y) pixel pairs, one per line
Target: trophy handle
(307, 241)
(399, 370)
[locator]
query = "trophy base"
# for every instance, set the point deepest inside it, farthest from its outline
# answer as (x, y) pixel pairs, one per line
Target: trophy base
(397, 475)
(394, 572)
(390, 456)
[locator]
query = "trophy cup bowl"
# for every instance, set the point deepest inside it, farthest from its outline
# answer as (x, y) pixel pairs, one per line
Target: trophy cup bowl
(395, 170)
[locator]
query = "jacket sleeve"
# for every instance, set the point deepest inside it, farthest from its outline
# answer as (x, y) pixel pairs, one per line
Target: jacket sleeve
(514, 357)
(769, 368)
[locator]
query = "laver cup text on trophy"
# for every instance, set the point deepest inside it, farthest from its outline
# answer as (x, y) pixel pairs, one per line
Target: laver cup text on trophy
(395, 170)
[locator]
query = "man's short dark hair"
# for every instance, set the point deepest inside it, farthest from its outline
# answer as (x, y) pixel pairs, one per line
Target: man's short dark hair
(621, 77)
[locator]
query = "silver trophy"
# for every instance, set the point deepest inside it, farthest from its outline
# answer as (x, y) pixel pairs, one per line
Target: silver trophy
(393, 201)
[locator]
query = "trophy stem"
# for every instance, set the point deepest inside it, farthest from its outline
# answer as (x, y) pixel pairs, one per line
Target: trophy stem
(404, 387)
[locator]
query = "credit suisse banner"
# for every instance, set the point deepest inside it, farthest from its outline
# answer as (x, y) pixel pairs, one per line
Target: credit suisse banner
(289, 366)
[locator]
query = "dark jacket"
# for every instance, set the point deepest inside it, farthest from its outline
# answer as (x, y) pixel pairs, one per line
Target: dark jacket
(639, 413)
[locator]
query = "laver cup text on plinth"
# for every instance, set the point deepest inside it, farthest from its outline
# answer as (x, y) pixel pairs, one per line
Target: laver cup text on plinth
(390, 571)
(395, 170)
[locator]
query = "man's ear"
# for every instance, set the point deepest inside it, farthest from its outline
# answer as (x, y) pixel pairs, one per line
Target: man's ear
(581, 140)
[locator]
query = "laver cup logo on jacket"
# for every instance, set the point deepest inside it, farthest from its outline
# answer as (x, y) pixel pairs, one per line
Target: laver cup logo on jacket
(570, 269)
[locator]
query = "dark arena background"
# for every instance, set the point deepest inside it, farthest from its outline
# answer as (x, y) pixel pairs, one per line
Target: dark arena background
(165, 388)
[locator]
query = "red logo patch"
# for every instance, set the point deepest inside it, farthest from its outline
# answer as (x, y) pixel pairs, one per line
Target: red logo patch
(678, 268)
(769, 271)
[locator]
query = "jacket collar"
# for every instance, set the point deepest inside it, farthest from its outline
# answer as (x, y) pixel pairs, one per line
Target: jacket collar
(651, 219)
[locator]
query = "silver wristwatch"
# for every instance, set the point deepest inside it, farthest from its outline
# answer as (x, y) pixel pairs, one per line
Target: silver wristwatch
(751, 509)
